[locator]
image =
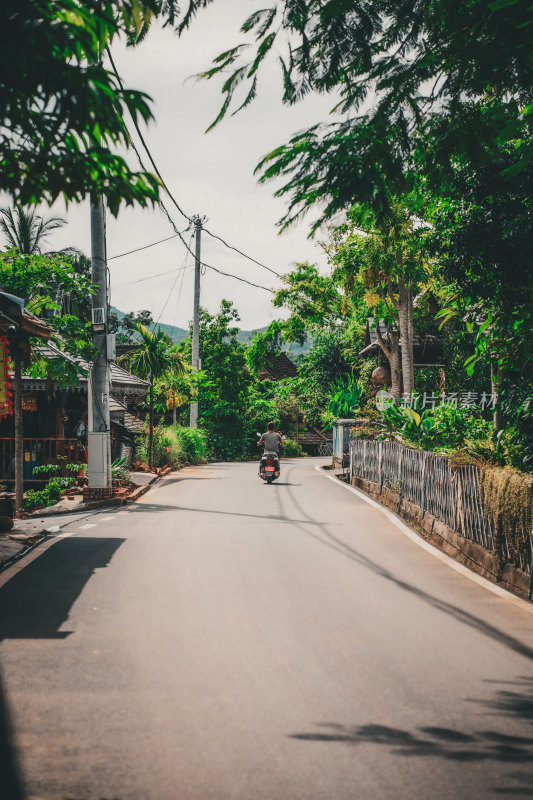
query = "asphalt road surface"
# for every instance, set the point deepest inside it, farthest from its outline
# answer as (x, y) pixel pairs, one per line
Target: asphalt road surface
(229, 640)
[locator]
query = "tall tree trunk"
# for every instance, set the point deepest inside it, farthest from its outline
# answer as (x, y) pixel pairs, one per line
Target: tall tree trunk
(19, 431)
(496, 376)
(405, 319)
(174, 415)
(392, 354)
(151, 433)
(395, 366)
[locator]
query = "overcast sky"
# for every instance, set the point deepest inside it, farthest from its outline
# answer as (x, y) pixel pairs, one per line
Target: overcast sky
(210, 174)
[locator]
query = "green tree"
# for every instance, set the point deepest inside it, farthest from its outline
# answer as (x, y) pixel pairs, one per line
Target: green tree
(269, 343)
(326, 361)
(26, 231)
(388, 256)
(175, 388)
(151, 360)
(224, 384)
(313, 301)
(125, 326)
(36, 278)
(407, 78)
(62, 110)
(482, 221)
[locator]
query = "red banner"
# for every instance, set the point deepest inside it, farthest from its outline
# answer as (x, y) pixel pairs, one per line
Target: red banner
(6, 397)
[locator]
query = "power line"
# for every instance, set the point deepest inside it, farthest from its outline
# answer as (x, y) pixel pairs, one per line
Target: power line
(145, 247)
(181, 270)
(149, 278)
(230, 247)
(162, 205)
(179, 297)
(154, 165)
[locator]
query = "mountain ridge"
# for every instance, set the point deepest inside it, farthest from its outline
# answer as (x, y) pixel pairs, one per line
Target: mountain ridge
(178, 334)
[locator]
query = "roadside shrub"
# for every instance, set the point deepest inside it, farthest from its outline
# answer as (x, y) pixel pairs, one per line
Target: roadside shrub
(119, 471)
(193, 442)
(63, 468)
(49, 496)
(441, 429)
(187, 446)
(346, 398)
(366, 431)
(292, 449)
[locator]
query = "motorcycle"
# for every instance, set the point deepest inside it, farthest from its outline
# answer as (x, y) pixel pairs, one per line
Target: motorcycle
(269, 465)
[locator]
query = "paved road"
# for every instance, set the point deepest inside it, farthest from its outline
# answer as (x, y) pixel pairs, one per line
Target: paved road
(229, 640)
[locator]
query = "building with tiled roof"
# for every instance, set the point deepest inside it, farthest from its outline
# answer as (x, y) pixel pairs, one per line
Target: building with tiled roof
(277, 367)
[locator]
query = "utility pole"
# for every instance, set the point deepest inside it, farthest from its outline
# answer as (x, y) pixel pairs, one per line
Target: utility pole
(198, 223)
(99, 427)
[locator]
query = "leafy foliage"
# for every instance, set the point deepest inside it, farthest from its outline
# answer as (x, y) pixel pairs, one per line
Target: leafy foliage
(49, 496)
(405, 81)
(186, 446)
(312, 300)
(63, 112)
(443, 428)
(153, 355)
(124, 328)
(292, 449)
(265, 344)
(119, 471)
(26, 231)
(40, 280)
(346, 398)
(223, 384)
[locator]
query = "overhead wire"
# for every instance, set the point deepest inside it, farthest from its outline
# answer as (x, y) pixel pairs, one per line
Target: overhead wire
(145, 247)
(149, 278)
(231, 247)
(139, 133)
(175, 202)
(178, 303)
(181, 270)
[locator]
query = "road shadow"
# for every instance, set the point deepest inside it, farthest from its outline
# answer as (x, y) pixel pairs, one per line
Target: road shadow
(169, 479)
(11, 782)
(321, 533)
(283, 483)
(451, 744)
(146, 509)
(36, 602)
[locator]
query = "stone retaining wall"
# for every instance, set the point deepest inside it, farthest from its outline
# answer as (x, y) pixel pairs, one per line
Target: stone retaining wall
(485, 562)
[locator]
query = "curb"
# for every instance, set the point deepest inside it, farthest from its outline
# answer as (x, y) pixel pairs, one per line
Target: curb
(89, 506)
(432, 548)
(86, 511)
(39, 537)
(143, 489)
(110, 502)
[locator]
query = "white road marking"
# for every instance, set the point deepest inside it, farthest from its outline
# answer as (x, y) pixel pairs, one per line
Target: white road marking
(106, 517)
(87, 526)
(431, 549)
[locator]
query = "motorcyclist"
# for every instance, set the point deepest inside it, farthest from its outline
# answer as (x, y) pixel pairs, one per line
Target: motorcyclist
(271, 440)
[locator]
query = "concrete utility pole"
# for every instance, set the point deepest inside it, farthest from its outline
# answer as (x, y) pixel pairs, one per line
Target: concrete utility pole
(198, 223)
(99, 427)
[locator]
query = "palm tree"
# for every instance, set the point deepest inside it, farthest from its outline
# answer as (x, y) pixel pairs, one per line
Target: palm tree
(25, 230)
(153, 358)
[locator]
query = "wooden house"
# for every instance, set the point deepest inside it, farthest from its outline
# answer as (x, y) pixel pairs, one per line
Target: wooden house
(427, 348)
(52, 416)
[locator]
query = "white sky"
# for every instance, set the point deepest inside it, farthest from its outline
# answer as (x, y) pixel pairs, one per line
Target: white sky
(211, 174)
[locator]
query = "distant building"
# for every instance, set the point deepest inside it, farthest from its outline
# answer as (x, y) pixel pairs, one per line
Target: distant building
(277, 367)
